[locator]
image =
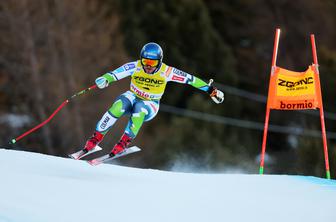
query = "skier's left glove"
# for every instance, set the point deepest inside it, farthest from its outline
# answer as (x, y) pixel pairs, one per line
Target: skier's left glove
(216, 95)
(101, 82)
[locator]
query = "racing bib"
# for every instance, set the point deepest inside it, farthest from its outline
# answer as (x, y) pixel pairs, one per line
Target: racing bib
(148, 86)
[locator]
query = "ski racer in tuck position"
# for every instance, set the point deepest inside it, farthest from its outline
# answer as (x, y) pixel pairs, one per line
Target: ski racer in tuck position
(149, 77)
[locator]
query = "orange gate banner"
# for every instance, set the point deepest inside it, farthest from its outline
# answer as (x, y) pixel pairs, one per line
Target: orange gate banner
(289, 90)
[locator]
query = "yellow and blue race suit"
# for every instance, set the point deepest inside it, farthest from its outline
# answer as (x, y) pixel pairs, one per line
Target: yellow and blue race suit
(142, 101)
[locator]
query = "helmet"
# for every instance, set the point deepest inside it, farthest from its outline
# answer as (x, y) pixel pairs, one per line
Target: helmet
(152, 51)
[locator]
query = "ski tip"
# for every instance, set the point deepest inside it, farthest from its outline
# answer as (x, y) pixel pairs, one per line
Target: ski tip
(92, 163)
(13, 141)
(72, 157)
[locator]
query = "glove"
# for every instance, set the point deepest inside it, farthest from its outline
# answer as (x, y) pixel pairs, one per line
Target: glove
(101, 82)
(216, 95)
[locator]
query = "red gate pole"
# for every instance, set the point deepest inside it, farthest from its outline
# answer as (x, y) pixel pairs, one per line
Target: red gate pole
(274, 58)
(262, 160)
(324, 134)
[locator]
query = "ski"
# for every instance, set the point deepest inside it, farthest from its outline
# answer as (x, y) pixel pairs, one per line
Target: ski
(107, 157)
(80, 154)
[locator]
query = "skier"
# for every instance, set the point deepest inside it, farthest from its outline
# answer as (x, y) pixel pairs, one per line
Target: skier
(149, 77)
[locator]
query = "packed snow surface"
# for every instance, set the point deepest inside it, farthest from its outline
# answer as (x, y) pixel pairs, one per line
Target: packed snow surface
(42, 188)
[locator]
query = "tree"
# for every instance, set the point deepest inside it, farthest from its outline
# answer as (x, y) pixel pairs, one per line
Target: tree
(51, 50)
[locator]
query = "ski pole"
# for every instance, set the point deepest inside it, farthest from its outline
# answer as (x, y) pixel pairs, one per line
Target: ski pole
(52, 115)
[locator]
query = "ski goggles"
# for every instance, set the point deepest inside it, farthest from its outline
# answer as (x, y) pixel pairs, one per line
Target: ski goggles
(150, 62)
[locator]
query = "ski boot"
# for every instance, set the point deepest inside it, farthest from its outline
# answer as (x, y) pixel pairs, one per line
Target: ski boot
(124, 141)
(96, 138)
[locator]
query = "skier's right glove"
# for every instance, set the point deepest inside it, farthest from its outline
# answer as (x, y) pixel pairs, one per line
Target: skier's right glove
(101, 82)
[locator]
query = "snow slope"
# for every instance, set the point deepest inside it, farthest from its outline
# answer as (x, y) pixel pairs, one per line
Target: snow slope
(42, 188)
